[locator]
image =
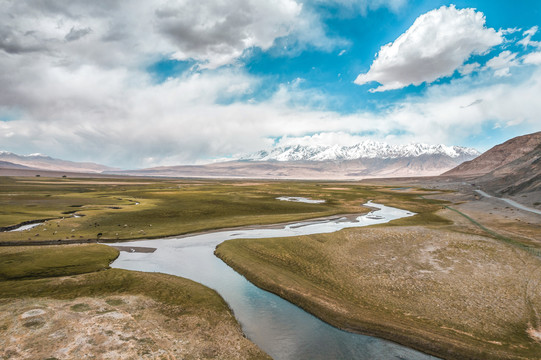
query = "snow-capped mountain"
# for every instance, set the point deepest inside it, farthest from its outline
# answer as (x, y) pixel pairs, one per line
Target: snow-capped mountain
(364, 150)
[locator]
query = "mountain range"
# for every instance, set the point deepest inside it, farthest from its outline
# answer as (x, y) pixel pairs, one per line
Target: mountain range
(10, 160)
(366, 159)
(365, 150)
(509, 169)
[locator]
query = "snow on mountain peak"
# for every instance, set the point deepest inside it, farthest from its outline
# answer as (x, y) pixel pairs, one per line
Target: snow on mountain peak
(368, 149)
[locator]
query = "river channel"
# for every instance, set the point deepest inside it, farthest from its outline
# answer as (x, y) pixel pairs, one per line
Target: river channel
(280, 328)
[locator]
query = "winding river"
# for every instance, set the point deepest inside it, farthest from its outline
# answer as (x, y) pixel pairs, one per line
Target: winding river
(280, 328)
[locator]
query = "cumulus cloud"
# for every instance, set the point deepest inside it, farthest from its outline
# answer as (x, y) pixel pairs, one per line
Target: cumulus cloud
(216, 33)
(212, 33)
(437, 43)
(447, 114)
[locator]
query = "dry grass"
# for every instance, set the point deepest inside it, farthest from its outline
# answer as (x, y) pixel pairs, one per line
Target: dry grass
(451, 294)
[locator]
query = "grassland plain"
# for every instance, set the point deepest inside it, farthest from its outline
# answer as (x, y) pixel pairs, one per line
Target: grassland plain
(45, 290)
(122, 209)
(64, 302)
(324, 279)
(433, 282)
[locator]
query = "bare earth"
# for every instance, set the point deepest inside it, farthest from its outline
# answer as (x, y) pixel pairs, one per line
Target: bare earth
(119, 327)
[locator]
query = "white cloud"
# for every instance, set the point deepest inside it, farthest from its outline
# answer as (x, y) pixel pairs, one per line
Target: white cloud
(212, 33)
(435, 45)
(504, 59)
(310, 30)
(91, 99)
(75, 75)
(509, 31)
(502, 63)
(532, 58)
(532, 31)
(324, 138)
(527, 40)
(467, 69)
(447, 114)
(503, 72)
(215, 33)
(182, 121)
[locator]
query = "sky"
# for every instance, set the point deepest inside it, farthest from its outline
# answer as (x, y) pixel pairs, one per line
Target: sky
(144, 83)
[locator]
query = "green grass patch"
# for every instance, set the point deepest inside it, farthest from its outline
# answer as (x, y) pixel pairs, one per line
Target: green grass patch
(115, 302)
(80, 307)
(167, 289)
(48, 261)
(172, 207)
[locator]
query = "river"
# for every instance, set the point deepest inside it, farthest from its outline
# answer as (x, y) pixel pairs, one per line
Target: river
(280, 328)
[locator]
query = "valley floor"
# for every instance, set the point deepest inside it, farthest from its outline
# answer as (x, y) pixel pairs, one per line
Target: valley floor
(459, 280)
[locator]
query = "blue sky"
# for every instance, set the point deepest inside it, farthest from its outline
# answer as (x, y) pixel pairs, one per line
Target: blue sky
(175, 82)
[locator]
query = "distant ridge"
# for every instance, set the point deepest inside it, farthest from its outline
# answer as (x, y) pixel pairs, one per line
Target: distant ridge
(44, 162)
(363, 160)
(10, 165)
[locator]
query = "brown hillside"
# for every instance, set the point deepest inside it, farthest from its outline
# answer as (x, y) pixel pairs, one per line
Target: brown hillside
(498, 156)
(520, 176)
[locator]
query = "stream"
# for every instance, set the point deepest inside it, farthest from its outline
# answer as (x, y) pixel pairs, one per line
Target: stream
(281, 329)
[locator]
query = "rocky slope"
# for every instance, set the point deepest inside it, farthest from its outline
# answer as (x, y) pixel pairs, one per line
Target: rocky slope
(498, 156)
(520, 176)
(509, 169)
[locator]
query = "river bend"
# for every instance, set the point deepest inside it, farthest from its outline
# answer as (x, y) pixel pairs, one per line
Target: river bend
(281, 329)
